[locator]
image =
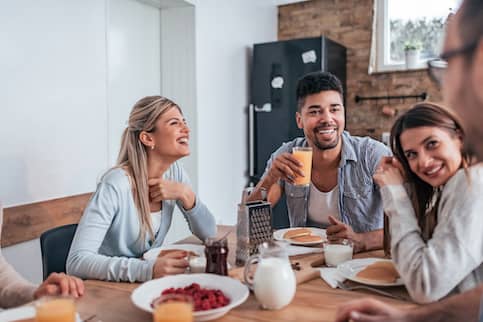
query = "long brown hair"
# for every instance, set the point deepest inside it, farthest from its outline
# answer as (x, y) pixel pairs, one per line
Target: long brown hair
(424, 114)
(133, 157)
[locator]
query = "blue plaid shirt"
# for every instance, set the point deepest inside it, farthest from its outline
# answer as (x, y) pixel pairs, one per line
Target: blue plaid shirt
(360, 203)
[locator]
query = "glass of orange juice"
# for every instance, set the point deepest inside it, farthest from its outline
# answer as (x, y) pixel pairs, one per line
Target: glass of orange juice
(304, 156)
(173, 308)
(55, 309)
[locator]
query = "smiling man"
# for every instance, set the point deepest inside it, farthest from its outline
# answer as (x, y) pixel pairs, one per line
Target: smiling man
(341, 195)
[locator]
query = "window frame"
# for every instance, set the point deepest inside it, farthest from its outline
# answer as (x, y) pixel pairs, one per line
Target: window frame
(382, 59)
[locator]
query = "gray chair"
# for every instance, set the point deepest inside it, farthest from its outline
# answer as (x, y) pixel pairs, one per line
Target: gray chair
(54, 246)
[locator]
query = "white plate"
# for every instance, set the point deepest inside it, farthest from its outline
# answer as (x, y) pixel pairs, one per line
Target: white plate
(154, 252)
(278, 235)
(22, 313)
(232, 288)
(350, 268)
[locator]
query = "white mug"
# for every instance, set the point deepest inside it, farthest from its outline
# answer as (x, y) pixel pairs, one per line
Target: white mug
(274, 282)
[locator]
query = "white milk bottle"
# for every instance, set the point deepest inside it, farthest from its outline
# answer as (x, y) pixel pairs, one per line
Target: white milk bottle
(274, 280)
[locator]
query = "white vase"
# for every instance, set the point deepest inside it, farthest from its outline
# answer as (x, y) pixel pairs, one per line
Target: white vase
(412, 58)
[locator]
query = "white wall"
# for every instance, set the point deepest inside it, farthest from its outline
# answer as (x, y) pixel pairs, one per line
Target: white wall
(52, 80)
(225, 34)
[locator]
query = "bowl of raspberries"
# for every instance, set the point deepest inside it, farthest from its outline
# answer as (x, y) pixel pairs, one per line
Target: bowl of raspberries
(212, 295)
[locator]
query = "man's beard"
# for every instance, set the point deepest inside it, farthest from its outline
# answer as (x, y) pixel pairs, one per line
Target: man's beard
(469, 115)
(325, 145)
(472, 143)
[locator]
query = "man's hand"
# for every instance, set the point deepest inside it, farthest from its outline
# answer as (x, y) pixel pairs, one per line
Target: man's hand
(60, 284)
(286, 167)
(338, 230)
(370, 310)
(170, 264)
(160, 189)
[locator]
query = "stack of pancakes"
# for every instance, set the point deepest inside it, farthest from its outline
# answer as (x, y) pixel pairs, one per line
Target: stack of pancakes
(301, 235)
(380, 271)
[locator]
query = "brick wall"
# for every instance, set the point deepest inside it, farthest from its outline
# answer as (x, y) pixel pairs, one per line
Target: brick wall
(349, 22)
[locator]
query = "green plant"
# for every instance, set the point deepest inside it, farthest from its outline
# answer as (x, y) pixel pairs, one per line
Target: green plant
(412, 46)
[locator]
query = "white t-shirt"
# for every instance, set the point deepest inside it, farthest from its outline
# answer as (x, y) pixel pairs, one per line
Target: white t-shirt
(323, 204)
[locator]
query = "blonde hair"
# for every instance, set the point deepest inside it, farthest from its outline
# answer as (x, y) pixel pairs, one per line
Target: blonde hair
(133, 156)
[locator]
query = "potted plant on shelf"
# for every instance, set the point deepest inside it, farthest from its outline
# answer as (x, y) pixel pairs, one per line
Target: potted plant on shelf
(411, 53)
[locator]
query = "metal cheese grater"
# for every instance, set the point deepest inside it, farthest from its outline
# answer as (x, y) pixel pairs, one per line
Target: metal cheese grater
(254, 226)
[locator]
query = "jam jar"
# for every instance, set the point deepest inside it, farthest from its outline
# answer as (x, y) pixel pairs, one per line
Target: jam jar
(216, 251)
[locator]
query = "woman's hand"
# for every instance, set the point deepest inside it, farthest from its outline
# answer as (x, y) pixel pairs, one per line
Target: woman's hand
(160, 189)
(60, 284)
(170, 264)
(389, 172)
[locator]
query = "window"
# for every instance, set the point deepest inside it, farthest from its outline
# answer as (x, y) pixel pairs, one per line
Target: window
(410, 24)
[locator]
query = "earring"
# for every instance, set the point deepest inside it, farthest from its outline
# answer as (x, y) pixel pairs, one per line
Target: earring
(152, 147)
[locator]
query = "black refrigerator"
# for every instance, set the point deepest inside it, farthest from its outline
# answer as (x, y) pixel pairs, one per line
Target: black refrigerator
(276, 67)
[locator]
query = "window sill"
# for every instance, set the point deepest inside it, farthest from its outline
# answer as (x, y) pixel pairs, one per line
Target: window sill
(400, 68)
(405, 70)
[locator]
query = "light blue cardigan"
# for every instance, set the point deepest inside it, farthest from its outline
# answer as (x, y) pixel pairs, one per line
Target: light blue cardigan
(106, 244)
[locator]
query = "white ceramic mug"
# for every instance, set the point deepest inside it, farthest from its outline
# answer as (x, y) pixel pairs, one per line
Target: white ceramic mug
(197, 264)
(274, 282)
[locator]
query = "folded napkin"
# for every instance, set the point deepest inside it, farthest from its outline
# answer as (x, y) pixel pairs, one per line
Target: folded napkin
(331, 276)
(18, 313)
(293, 250)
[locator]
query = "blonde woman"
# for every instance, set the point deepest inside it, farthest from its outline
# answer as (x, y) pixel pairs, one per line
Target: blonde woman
(132, 208)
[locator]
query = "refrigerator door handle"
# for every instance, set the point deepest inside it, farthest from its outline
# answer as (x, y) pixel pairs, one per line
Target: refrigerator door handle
(251, 141)
(267, 107)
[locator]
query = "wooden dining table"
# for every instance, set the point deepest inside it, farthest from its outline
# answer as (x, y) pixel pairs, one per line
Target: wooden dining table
(314, 300)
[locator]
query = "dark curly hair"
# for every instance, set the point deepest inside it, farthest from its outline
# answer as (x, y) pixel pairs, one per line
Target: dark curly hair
(317, 82)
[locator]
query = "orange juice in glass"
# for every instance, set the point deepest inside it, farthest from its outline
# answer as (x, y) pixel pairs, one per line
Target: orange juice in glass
(55, 309)
(304, 156)
(173, 308)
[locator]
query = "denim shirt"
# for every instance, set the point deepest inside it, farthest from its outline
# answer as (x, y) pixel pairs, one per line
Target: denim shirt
(360, 203)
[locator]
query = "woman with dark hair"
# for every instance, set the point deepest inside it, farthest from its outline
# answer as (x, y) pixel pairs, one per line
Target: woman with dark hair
(437, 241)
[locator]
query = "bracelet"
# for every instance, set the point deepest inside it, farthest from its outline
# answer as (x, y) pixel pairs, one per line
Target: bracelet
(263, 192)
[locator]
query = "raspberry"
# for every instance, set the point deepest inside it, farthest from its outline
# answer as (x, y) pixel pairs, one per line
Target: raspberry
(203, 298)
